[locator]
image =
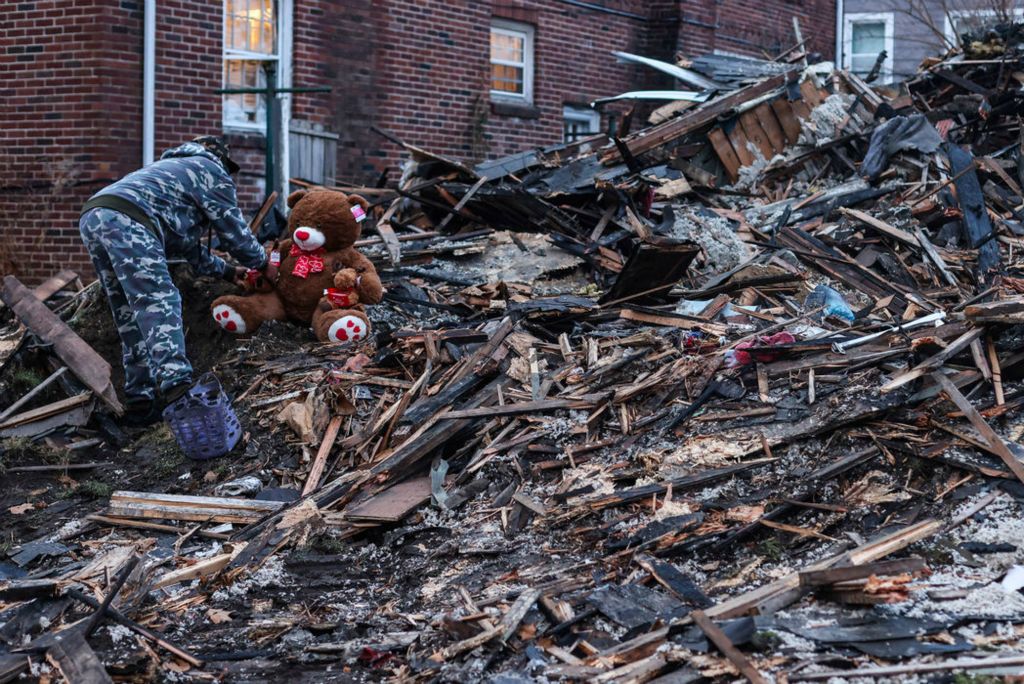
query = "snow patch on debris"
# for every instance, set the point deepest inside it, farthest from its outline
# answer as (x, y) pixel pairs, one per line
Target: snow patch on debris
(715, 235)
(270, 573)
(825, 118)
(119, 633)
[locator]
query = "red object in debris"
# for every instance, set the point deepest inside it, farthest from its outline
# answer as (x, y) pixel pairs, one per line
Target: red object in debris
(374, 658)
(339, 299)
(646, 201)
(741, 357)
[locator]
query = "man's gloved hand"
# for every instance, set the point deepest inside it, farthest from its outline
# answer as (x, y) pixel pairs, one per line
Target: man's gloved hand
(252, 280)
(239, 276)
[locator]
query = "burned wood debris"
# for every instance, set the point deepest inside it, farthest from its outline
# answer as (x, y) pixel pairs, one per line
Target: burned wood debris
(732, 395)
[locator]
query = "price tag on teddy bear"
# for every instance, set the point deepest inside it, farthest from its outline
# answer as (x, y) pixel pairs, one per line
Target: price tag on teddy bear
(358, 213)
(275, 258)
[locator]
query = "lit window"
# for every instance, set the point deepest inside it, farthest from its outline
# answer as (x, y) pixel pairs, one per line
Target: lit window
(250, 42)
(865, 37)
(511, 60)
(579, 123)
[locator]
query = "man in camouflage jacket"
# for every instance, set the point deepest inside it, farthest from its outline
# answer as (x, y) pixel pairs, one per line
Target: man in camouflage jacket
(132, 228)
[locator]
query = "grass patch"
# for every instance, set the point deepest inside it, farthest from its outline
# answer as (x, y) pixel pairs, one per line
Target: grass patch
(772, 548)
(168, 464)
(168, 458)
(94, 489)
(967, 678)
(20, 450)
(24, 379)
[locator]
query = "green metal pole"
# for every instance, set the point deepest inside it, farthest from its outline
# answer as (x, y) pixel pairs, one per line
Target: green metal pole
(270, 71)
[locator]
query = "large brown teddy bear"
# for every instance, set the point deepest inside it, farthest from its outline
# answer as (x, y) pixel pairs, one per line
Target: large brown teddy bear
(319, 257)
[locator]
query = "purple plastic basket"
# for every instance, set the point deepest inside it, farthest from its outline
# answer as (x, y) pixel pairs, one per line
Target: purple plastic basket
(203, 422)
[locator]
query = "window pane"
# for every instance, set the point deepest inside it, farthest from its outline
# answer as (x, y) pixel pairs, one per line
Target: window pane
(236, 32)
(507, 48)
(250, 25)
(868, 37)
(861, 65)
(244, 107)
(506, 78)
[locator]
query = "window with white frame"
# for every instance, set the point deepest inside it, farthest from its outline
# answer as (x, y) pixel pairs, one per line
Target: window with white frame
(579, 123)
(963, 21)
(864, 36)
(250, 42)
(511, 61)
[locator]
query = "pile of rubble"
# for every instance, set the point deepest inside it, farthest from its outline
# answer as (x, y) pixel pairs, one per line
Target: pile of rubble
(734, 394)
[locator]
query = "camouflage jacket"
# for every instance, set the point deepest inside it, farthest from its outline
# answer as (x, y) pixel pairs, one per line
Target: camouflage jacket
(188, 193)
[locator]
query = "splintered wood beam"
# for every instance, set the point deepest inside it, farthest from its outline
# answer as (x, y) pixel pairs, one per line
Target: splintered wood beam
(84, 362)
(912, 668)
(202, 568)
(387, 233)
(524, 407)
(510, 621)
(54, 284)
(728, 649)
(392, 504)
(37, 414)
(707, 113)
(75, 659)
(934, 362)
(881, 226)
(821, 578)
(261, 215)
(785, 590)
(317, 469)
(995, 442)
(462, 202)
(146, 505)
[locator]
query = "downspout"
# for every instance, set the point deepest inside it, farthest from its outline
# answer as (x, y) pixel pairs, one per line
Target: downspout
(148, 80)
(285, 79)
(840, 23)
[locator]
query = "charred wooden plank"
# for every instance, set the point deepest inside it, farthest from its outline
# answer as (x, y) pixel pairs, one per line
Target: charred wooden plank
(82, 359)
(687, 123)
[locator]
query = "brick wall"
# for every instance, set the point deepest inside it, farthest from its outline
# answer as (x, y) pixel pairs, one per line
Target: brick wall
(430, 81)
(754, 27)
(70, 118)
(71, 103)
(344, 59)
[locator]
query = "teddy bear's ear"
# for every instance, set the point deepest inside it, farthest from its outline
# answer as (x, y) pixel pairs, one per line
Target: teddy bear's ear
(361, 201)
(294, 198)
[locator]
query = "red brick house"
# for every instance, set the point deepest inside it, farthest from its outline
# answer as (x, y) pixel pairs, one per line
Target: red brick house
(93, 90)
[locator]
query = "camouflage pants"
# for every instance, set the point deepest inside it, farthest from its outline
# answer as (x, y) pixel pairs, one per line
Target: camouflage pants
(132, 268)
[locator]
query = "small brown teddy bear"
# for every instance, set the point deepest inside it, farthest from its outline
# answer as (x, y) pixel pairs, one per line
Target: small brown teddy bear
(322, 280)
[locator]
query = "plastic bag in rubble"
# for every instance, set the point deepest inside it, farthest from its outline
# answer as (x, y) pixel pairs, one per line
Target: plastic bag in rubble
(835, 305)
(898, 133)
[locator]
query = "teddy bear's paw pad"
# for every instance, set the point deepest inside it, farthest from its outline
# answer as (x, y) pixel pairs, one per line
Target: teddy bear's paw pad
(347, 329)
(228, 318)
